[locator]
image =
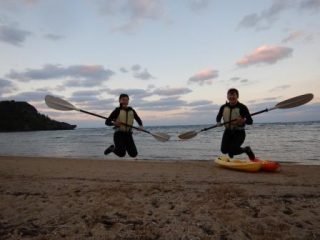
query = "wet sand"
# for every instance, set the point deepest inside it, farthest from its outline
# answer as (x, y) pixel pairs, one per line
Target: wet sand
(50, 198)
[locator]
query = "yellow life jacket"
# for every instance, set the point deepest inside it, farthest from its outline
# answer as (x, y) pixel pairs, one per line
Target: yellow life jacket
(230, 114)
(126, 116)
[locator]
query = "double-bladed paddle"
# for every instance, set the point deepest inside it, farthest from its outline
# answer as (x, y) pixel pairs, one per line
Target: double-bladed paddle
(289, 103)
(63, 105)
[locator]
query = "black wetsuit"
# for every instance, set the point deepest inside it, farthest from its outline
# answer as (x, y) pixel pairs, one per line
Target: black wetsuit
(234, 135)
(123, 140)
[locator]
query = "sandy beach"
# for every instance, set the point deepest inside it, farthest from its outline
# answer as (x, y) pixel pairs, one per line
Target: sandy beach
(50, 198)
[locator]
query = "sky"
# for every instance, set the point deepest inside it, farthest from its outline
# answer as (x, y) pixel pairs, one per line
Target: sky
(175, 59)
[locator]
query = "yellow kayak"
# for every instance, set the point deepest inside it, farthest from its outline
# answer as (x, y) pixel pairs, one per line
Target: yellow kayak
(240, 165)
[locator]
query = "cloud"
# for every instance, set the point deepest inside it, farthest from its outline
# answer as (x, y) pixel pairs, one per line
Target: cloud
(13, 35)
(294, 36)
(266, 17)
(238, 79)
(201, 111)
(91, 99)
(135, 67)
(163, 104)
(197, 5)
(134, 93)
(207, 109)
(250, 20)
(131, 14)
(139, 9)
(85, 75)
(170, 98)
(123, 70)
(171, 91)
(53, 88)
(266, 55)
(170, 101)
(100, 104)
(85, 95)
(6, 86)
(14, 4)
(144, 75)
(204, 77)
(269, 99)
(282, 87)
(5, 83)
(199, 103)
(263, 101)
(173, 102)
(53, 37)
(313, 5)
(30, 96)
(109, 7)
(234, 79)
(59, 88)
(151, 86)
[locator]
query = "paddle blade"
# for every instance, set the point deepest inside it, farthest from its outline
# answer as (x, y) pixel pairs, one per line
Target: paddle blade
(162, 137)
(188, 135)
(296, 101)
(58, 103)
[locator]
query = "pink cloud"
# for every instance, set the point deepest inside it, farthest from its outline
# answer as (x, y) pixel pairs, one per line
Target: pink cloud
(204, 76)
(293, 36)
(131, 14)
(265, 54)
(300, 35)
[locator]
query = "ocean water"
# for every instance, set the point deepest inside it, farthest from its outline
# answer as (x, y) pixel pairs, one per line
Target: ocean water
(284, 142)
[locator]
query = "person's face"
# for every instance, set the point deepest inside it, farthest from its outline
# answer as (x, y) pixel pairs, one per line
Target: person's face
(124, 101)
(232, 98)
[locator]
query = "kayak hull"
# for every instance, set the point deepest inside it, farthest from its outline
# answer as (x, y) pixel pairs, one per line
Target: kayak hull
(268, 166)
(239, 165)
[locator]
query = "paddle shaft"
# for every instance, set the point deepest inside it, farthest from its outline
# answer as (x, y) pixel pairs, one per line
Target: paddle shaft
(93, 114)
(218, 125)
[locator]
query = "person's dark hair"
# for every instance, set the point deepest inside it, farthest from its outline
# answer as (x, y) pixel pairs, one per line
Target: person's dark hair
(123, 95)
(233, 90)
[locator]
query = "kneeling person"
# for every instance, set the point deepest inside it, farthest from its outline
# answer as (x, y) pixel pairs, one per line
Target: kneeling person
(238, 115)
